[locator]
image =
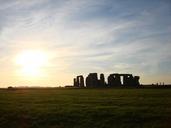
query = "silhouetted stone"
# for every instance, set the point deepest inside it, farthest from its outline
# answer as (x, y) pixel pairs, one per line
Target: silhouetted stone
(102, 80)
(127, 79)
(88, 81)
(136, 80)
(75, 83)
(92, 80)
(77, 78)
(110, 81)
(81, 82)
(114, 80)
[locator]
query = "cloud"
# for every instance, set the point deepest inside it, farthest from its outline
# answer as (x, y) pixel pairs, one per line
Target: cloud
(85, 36)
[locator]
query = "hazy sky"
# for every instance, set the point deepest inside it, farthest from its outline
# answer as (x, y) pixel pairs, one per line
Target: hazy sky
(82, 36)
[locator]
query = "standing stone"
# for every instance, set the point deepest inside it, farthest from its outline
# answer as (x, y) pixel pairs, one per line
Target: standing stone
(102, 80)
(136, 80)
(129, 80)
(117, 80)
(110, 80)
(88, 84)
(92, 80)
(75, 82)
(81, 81)
(114, 80)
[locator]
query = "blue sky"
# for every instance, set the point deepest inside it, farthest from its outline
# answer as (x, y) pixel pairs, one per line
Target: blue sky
(82, 36)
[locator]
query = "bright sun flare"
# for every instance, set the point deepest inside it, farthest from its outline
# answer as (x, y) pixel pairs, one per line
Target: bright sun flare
(32, 62)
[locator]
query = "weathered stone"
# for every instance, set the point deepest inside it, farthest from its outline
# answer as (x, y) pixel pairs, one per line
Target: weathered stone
(81, 82)
(110, 81)
(102, 80)
(75, 82)
(136, 80)
(92, 80)
(114, 80)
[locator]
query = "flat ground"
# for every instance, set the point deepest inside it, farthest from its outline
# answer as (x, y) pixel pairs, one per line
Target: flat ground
(85, 108)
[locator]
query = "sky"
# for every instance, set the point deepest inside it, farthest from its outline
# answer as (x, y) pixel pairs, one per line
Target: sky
(83, 36)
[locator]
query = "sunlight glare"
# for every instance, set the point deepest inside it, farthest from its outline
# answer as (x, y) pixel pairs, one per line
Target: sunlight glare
(32, 62)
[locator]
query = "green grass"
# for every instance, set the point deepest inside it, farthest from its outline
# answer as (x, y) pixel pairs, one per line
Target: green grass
(85, 108)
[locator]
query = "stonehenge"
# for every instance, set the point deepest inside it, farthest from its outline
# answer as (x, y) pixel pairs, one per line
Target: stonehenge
(113, 80)
(79, 81)
(102, 80)
(92, 80)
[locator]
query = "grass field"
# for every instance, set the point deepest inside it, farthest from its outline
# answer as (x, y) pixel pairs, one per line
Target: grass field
(85, 108)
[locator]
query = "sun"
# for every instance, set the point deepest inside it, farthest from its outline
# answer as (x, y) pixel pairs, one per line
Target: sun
(31, 62)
